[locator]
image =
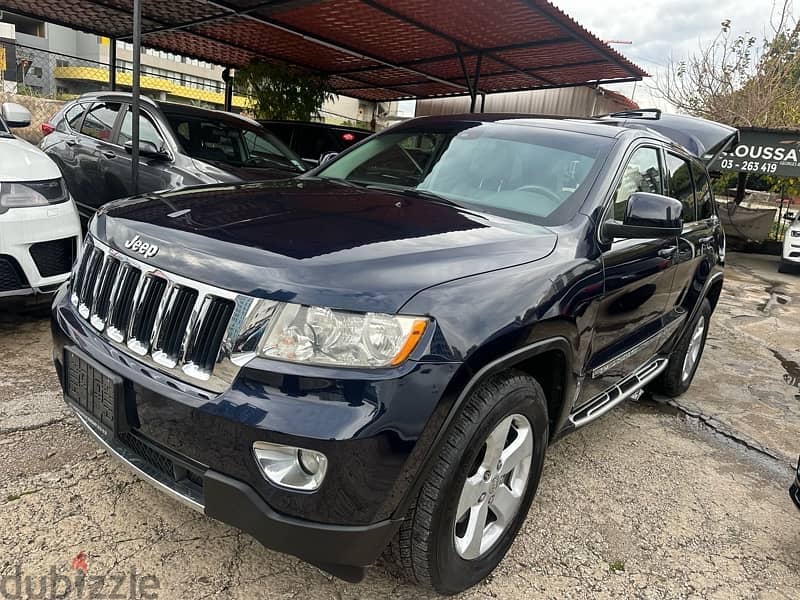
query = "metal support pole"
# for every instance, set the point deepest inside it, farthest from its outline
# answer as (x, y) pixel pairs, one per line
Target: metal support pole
(475, 83)
(483, 101)
(226, 77)
(137, 64)
(112, 63)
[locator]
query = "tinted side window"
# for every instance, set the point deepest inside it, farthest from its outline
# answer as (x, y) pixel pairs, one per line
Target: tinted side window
(282, 130)
(680, 185)
(99, 120)
(311, 142)
(147, 130)
(702, 186)
(641, 174)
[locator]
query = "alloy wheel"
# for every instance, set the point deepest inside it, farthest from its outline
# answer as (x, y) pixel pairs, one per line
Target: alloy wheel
(494, 488)
(693, 351)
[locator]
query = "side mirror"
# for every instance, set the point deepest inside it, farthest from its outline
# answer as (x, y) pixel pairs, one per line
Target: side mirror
(789, 216)
(647, 216)
(15, 115)
(147, 149)
(327, 156)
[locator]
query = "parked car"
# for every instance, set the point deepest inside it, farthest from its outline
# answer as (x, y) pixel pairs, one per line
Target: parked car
(794, 490)
(790, 253)
(383, 349)
(39, 228)
(180, 145)
(313, 141)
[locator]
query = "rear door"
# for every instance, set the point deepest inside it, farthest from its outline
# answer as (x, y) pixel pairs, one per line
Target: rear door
(94, 146)
(688, 182)
(638, 281)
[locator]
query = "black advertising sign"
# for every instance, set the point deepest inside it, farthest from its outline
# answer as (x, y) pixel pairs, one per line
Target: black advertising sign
(766, 152)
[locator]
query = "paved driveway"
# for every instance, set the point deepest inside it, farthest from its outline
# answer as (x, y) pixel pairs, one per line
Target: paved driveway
(653, 501)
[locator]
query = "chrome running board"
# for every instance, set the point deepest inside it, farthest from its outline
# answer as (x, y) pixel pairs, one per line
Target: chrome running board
(627, 387)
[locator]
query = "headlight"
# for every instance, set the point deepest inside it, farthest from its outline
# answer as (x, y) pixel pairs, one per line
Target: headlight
(316, 335)
(15, 195)
(33, 193)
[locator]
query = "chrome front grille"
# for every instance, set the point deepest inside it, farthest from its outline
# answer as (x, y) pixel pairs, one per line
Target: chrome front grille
(195, 332)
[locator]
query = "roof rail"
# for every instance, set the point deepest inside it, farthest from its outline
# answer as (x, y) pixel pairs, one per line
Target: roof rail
(641, 113)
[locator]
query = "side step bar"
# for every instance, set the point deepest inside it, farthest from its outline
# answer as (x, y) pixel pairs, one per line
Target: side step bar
(604, 402)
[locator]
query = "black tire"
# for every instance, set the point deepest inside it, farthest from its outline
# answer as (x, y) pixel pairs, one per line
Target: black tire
(672, 382)
(784, 267)
(424, 547)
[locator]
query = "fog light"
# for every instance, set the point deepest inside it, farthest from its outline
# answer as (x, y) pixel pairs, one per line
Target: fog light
(291, 467)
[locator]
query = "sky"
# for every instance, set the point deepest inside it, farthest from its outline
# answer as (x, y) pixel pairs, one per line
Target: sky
(659, 28)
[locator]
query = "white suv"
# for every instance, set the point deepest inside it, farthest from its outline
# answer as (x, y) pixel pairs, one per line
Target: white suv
(790, 256)
(39, 227)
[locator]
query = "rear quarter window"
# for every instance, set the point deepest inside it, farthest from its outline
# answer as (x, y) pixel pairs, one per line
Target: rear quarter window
(70, 119)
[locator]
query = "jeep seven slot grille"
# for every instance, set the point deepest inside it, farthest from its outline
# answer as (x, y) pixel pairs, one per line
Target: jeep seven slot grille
(175, 324)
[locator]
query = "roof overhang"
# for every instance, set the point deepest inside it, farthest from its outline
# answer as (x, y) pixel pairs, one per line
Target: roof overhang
(370, 49)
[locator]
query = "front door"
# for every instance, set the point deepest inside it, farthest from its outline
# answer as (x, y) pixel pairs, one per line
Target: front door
(154, 173)
(638, 278)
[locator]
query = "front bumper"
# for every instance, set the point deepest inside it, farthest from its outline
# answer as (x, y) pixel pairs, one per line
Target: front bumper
(33, 243)
(341, 550)
(367, 429)
(791, 247)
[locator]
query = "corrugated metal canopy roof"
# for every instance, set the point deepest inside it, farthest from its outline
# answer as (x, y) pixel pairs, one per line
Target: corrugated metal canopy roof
(371, 49)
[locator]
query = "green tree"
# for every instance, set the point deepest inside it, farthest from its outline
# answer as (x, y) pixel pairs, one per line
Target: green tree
(280, 92)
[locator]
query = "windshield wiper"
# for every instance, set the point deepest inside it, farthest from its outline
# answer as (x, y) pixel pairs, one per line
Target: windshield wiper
(340, 181)
(425, 194)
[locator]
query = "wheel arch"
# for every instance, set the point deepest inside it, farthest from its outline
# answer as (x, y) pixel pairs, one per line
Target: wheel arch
(549, 361)
(714, 292)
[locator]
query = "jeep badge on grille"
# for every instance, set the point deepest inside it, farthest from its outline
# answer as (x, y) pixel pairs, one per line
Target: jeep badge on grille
(137, 245)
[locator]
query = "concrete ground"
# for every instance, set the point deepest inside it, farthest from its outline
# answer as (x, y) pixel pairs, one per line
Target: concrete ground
(655, 500)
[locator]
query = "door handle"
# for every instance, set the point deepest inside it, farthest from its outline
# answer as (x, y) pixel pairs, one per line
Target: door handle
(109, 154)
(667, 252)
(70, 142)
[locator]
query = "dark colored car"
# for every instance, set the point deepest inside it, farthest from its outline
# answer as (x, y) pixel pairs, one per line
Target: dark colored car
(794, 490)
(180, 145)
(312, 140)
(380, 351)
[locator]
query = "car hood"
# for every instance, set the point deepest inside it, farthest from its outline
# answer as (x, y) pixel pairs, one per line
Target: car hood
(22, 161)
(319, 243)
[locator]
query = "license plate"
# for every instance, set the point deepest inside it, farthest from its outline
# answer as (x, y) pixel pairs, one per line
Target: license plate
(94, 389)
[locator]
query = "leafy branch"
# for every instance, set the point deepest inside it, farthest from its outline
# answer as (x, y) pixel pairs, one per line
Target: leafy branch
(280, 92)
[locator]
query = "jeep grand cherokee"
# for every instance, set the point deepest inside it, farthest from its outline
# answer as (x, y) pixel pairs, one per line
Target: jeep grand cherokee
(379, 352)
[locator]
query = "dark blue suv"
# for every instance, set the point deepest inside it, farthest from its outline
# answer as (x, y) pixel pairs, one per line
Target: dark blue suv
(379, 352)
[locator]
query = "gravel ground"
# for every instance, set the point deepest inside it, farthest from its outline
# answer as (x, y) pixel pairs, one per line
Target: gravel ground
(655, 500)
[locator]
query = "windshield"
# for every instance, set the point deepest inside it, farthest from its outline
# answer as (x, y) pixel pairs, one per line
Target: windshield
(232, 142)
(536, 174)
